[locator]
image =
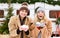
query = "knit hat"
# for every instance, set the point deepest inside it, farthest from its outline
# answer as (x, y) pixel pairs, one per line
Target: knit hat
(40, 9)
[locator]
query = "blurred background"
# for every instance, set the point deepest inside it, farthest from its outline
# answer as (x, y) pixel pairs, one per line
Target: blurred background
(9, 8)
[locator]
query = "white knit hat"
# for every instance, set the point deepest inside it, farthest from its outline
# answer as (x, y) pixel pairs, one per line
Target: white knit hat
(40, 9)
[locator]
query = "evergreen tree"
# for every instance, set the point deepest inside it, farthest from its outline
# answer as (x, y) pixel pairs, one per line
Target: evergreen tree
(4, 28)
(52, 2)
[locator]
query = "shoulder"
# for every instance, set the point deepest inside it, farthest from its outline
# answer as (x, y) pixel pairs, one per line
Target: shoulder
(48, 21)
(14, 17)
(30, 19)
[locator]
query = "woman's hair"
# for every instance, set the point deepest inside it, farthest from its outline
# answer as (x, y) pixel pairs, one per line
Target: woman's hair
(38, 20)
(24, 8)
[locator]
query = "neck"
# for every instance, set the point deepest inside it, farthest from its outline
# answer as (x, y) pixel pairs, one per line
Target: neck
(22, 18)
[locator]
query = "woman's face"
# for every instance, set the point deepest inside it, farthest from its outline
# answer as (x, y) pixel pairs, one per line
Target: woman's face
(23, 13)
(40, 15)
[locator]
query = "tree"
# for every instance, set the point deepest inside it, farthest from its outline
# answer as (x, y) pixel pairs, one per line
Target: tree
(58, 21)
(4, 28)
(52, 2)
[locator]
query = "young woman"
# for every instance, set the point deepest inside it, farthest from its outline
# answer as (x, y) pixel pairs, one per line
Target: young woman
(43, 25)
(21, 25)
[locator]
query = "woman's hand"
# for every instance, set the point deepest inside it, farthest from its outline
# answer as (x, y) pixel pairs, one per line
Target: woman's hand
(24, 28)
(40, 25)
(20, 28)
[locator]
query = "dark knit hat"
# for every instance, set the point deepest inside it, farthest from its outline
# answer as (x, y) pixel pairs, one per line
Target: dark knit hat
(25, 8)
